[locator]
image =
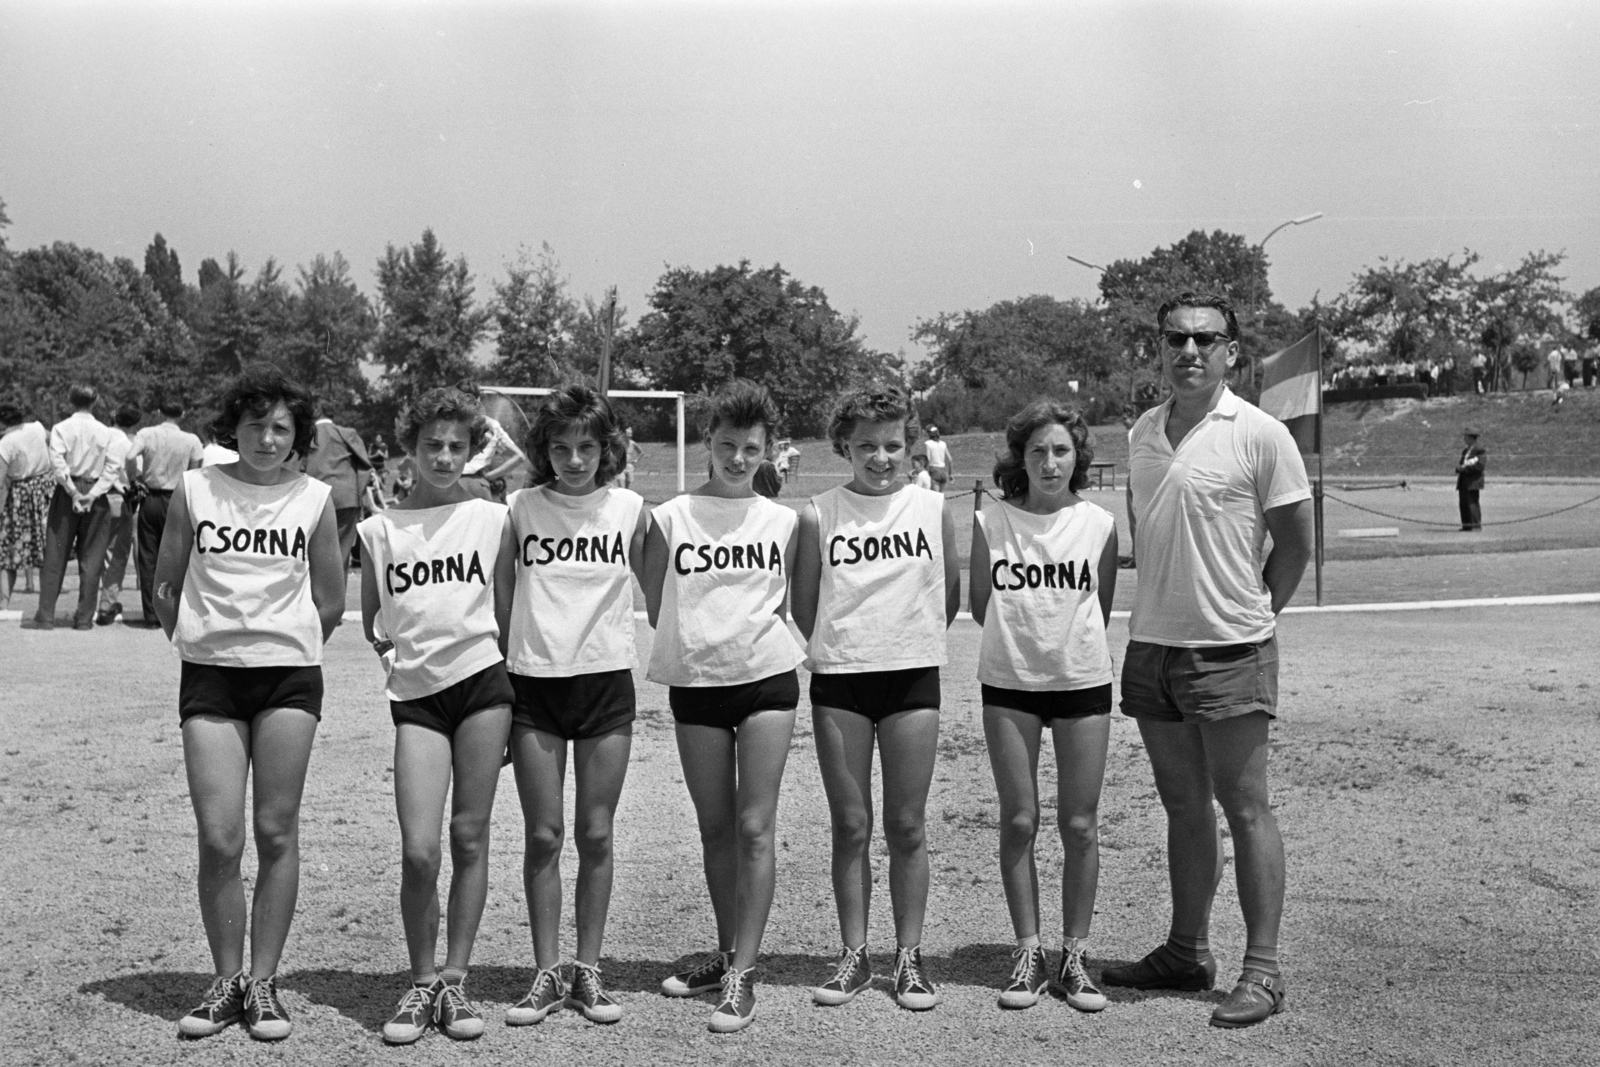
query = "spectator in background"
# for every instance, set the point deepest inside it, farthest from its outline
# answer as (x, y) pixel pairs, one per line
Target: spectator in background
(1469, 480)
(124, 498)
(1591, 367)
(80, 514)
(788, 460)
(1553, 362)
(765, 480)
(919, 472)
(337, 458)
(484, 476)
(1480, 373)
(634, 454)
(938, 455)
(1569, 364)
(212, 453)
(26, 486)
(161, 453)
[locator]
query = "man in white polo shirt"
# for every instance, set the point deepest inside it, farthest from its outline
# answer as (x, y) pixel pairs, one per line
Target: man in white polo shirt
(1211, 476)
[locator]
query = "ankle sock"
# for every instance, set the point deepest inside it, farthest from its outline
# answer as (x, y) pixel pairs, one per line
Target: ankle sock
(1029, 943)
(1193, 950)
(424, 980)
(1069, 945)
(1263, 958)
(453, 975)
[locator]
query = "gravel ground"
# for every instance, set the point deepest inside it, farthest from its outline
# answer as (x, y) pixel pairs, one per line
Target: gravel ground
(1439, 801)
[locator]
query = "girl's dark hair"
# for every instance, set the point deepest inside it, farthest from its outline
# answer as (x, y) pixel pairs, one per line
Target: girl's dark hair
(447, 405)
(257, 388)
(1010, 473)
(742, 405)
(128, 416)
(875, 403)
(10, 414)
(576, 406)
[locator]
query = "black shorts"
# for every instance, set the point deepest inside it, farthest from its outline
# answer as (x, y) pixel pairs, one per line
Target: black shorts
(447, 709)
(1052, 703)
(576, 707)
(877, 694)
(727, 706)
(242, 693)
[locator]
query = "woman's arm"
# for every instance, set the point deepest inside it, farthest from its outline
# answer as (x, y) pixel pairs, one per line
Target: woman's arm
(370, 602)
(790, 552)
(327, 571)
(636, 544)
(952, 566)
(1108, 575)
(505, 581)
(979, 577)
(805, 579)
(172, 560)
(655, 572)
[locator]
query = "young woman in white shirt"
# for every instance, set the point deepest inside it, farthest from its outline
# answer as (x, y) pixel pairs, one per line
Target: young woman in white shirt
(248, 587)
(1044, 570)
(876, 584)
(717, 565)
(573, 543)
(428, 608)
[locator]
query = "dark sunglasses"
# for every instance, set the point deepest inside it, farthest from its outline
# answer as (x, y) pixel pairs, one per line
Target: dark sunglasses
(1205, 340)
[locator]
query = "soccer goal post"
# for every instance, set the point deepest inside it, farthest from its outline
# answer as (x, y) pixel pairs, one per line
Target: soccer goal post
(620, 394)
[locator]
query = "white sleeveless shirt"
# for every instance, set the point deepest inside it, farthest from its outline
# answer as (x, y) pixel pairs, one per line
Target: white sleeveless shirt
(725, 582)
(247, 594)
(1043, 631)
(435, 570)
(881, 604)
(573, 608)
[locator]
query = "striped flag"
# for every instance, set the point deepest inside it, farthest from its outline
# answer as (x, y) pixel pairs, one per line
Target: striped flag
(1291, 389)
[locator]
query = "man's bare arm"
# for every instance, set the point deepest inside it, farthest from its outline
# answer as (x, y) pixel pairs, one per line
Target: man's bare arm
(1293, 536)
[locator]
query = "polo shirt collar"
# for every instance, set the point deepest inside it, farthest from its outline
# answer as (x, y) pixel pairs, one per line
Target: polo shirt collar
(1227, 407)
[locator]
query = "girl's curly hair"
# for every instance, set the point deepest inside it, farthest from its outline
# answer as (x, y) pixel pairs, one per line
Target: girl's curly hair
(258, 387)
(576, 406)
(1011, 474)
(742, 404)
(875, 403)
(447, 405)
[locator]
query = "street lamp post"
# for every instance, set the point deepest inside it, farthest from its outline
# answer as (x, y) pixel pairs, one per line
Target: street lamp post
(1132, 355)
(1255, 290)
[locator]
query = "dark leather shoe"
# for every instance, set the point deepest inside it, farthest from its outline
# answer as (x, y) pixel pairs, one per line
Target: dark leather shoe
(1256, 997)
(1159, 971)
(108, 615)
(36, 623)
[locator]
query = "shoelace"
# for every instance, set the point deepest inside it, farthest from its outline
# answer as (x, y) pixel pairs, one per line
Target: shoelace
(712, 962)
(222, 990)
(452, 1000)
(416, 998)
(589, 978)
(906, 963)
(1027, 965)
(260, 998)
(848, 961)
(733, 986)
(1072, 964)
(542, 980)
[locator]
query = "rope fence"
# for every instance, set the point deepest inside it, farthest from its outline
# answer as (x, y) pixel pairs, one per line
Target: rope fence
(1436, 522)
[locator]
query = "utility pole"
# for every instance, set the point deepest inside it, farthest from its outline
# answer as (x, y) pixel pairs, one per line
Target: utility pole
(607, 331)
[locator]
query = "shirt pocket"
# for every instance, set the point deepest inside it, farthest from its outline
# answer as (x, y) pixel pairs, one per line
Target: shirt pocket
(1209, 494)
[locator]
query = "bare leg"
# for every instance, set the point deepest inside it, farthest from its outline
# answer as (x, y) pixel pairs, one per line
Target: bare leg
(1236, 751)
(280, 752)
(540, 761)
(421, 779)
(908, 747)
(216, 757)
(1013, 741)
(600, 765)
(8, 581)
(1194, 850)
(480, 745)
(711, 775)
(763, 754)
(1080, 773)
(844, 756)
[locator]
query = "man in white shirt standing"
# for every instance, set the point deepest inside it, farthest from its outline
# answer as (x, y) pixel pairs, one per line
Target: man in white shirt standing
(161, 454)
(124, 500)
(80, 515)
(938, 453)
(1210, 476)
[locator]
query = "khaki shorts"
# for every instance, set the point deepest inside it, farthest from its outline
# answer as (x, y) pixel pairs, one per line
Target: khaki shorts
(1170, 684)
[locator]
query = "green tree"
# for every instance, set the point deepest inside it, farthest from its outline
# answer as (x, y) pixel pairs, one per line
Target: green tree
(428, 318)
(331, 332)
(706, 327)
(535, 322)
(1523, 304)
(1018, 339)
(226, 332)
(166, 275)
(1587, 309)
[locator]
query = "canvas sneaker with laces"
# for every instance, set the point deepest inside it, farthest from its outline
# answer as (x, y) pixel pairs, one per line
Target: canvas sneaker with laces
(1074, 982)
(220, 1008)
(703, 977)
(1029, 975)
(737, 1009)
(456, 1016)
(263, 1011)
(547, 994)
(588, 995)
(411, 1017)
(912, 990)
(853, 974)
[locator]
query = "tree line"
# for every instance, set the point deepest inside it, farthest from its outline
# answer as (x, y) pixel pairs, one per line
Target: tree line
(142, 333)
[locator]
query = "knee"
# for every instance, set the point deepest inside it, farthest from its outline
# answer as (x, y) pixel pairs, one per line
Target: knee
(222, 848)
(543, 840)
(852, 830)
(469, 840)
(419, 861)
(1017, 828)
(755, 834)
(277, 836)
(593, 840)
(1080, 831)
(906, 832)
(1245, 812)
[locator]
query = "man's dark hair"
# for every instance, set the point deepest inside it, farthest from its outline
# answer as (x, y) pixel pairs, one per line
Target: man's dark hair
(1011, 473)
(172, 409)
(254, 392)
(445, 404)
(128, 416)
(1201, 300)
(82, 396)
(10, 414)
(576, 406)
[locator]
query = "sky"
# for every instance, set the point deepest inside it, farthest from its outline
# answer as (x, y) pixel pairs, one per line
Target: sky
(910, 158)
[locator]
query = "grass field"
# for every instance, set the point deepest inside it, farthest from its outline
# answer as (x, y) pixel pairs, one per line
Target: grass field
(1435, 774)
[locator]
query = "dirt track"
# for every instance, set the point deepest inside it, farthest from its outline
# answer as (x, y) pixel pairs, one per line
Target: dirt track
(1435, 775)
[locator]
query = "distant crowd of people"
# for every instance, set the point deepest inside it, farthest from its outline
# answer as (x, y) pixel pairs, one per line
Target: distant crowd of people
(1437, 376)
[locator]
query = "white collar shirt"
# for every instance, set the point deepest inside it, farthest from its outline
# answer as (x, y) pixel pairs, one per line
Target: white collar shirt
(167, 450)
(79, 448)
(1201, 523)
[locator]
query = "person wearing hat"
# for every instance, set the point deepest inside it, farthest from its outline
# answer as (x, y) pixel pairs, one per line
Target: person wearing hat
(938, 454)
(1469, 480)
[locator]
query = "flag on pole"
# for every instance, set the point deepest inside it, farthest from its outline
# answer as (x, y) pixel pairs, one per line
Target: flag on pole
(1291, 389)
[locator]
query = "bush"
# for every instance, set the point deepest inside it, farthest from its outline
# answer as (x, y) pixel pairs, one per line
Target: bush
(956, 408)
